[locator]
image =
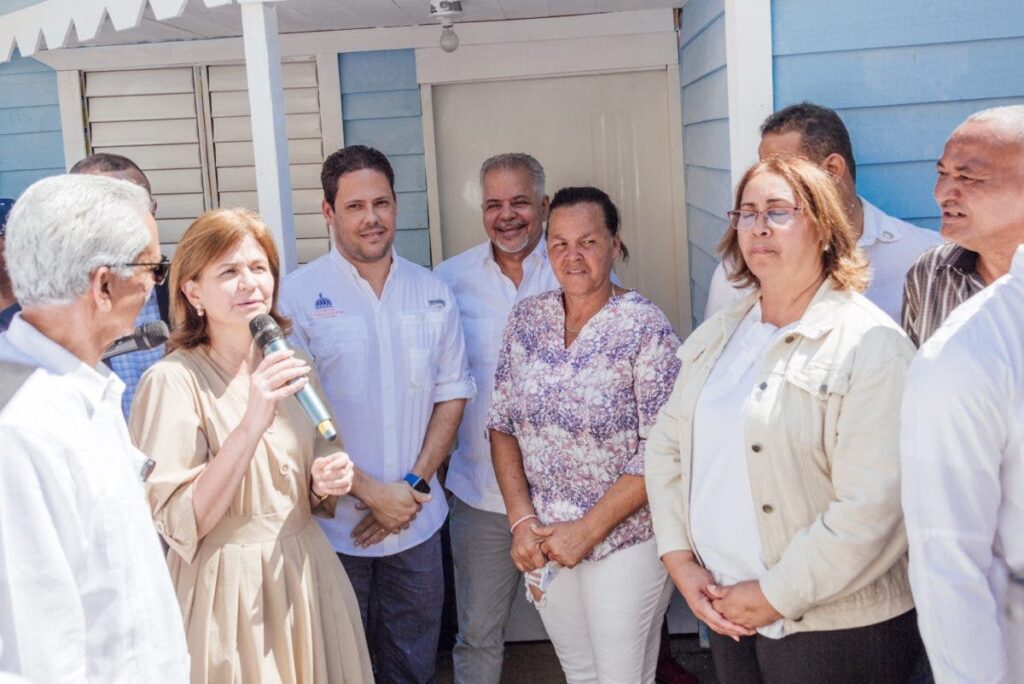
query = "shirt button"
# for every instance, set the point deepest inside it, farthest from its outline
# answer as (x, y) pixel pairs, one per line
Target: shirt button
(284, 468)
(756, 448)
(763, 386)
(159, 527)
(823, 389)
(888, 235)
(767, 508)
(789, 339)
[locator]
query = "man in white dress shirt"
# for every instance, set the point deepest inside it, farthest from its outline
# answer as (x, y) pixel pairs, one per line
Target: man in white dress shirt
(84, 590)
(962, 452)
(891, 245)
(488, 280)
(387, 342)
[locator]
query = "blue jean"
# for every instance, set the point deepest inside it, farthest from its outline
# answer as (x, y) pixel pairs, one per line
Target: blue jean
(400, 600)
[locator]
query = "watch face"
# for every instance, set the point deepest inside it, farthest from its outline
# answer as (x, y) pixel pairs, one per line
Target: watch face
(417, 483)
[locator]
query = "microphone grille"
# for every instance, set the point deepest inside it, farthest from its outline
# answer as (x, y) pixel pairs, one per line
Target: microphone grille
(152, 334)
(265, 329)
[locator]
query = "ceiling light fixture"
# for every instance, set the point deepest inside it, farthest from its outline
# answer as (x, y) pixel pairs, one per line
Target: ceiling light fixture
(447, 11)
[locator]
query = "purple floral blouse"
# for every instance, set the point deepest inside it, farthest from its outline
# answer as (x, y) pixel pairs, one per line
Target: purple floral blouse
(582, 415)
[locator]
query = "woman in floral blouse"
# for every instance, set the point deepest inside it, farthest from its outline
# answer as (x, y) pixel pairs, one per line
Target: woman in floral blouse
(581, 376)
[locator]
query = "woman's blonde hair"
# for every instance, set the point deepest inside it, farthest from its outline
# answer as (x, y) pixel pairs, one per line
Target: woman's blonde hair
(206, 240)
(821, 202)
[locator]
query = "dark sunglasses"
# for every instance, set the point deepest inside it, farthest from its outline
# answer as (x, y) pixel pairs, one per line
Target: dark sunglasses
(159, 269)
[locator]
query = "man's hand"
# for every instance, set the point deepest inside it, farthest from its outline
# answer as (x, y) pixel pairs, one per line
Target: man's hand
(566, 543)
(693, 583)
(743, 603)
(394, 505)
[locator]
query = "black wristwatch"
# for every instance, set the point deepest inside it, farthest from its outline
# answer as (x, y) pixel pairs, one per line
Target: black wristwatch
(417, 483)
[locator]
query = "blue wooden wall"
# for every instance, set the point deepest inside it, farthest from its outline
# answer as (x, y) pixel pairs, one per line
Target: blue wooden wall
(705, 139)
(381, 108)
(902, 75)
(31, 145)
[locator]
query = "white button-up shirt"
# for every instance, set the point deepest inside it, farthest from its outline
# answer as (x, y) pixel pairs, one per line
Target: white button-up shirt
(85, 594)
(486, 297)
(891, 245)
(962, 451)
(383, 364)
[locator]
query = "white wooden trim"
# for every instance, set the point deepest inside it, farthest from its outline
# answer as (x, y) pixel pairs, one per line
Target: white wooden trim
(269, 139)
(602, 54)
(678, 186)
(748, 49)
(217, 50)
(332, 127)
(430, 161)
(72, 116)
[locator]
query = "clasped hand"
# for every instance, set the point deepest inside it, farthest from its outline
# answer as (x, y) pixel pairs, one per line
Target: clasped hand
(332, 475)
(391, 508)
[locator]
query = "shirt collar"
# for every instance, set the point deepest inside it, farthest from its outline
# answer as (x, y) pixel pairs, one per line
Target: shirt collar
(1017, 267)
(96, 383)
(959, 259)
(822, 314)
(876, 226)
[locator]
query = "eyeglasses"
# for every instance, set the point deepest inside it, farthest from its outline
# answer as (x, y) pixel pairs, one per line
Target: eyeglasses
(776, 217)
(159, 269)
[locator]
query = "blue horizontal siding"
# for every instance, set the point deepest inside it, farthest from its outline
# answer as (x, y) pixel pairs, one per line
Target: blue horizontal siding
(705, 114)
(381, 108)
(30, 133)
(378, 70)
(902, 75)
(15, 5)
(867, 24)
(383, 105)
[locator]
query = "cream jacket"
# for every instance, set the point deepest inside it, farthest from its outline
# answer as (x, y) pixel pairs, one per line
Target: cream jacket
(822, 444)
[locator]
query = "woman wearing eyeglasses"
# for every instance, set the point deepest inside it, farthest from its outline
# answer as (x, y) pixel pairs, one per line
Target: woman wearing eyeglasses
(239, 471)
(773, 469)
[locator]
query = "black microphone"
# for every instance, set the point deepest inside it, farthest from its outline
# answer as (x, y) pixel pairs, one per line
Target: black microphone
(270, 339)
(146, 336)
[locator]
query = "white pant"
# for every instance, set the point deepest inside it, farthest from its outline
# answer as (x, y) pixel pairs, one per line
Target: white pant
(604, 617)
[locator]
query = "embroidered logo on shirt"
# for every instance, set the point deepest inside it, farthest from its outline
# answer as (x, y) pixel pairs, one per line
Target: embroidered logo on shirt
(436, 304)
(324, 307)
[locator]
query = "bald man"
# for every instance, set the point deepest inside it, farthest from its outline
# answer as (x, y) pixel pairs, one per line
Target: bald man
(980, 189)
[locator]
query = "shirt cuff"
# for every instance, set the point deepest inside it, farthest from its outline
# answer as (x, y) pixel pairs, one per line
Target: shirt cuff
(459, 389)
(783, 597)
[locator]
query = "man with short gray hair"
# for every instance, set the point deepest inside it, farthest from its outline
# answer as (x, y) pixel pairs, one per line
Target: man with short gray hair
(488, 280)
(84, 591)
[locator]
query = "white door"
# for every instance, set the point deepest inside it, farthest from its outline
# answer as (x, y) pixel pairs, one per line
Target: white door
(606, 130)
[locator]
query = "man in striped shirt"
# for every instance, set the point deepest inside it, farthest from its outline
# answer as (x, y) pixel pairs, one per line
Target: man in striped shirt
(980, 189)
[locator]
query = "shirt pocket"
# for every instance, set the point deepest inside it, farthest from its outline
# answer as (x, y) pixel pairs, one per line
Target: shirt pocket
(421, 337)
(811, 407)
(340, 346)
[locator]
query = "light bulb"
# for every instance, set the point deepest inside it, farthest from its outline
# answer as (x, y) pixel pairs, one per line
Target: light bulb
(449, 39)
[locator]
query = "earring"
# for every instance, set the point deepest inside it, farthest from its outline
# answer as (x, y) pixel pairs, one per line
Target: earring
(199, 310)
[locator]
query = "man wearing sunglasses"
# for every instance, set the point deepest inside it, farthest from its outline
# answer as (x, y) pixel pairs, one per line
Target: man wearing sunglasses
(84, 590)
(130, 367)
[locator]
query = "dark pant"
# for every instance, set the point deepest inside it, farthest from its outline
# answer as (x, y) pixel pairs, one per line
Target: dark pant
(880, 653)
(400, 600)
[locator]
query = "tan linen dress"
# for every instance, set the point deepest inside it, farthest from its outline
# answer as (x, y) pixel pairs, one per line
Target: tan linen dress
(264, 597)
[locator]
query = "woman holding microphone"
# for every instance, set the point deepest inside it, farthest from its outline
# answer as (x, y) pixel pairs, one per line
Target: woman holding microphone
(239, 471)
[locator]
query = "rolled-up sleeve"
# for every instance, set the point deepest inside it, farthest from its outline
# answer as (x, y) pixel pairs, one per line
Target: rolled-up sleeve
(663, 476)
(165, 425)
(654, 373)
(453, 378)
(860, 535)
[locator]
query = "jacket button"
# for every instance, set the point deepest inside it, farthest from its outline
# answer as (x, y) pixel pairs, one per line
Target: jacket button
(789, 339)
(763, 386)
(799, 619)
(767, 508)
(756, 448)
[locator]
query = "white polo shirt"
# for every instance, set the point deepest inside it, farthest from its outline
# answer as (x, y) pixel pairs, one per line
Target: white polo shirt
(962, 458)
(485, 296)
(383, 364)
(891, 245)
